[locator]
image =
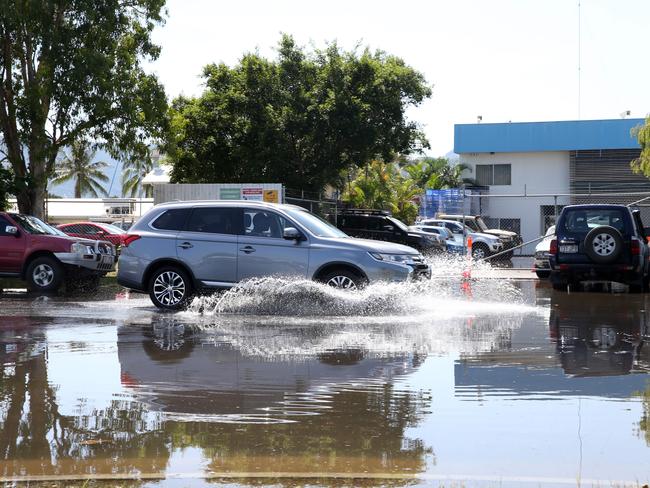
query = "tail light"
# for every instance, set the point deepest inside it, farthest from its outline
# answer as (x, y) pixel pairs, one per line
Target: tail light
(553, 248)
(130, 238)
(635, 247)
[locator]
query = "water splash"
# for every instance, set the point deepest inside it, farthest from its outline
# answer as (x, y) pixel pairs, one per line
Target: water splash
(291, 297)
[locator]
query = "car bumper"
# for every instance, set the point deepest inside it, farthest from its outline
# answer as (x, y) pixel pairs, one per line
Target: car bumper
(598, 272)
(395, 272)
(102, 263)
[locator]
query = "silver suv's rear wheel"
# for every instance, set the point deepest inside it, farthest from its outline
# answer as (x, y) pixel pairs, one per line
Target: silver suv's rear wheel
(170, 288)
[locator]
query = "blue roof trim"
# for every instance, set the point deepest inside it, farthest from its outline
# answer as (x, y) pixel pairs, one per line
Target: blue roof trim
(568, 135)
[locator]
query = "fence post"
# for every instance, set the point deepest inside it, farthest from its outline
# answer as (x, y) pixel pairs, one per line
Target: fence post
(555, 207)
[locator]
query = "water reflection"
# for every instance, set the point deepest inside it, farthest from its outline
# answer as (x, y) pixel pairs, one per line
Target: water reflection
(600, 336)
(589, 335)
(336, 411)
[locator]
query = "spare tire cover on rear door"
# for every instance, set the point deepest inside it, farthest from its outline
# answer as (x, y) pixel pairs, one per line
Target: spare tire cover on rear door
(603, 244)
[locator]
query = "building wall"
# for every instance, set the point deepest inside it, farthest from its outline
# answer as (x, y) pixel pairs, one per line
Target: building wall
(545, 173)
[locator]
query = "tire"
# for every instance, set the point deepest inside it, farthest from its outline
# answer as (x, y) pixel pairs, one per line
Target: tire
(558, 284)
(603, 244)
(343, 279)
(636, 287)
(166, 298)
(44, 274)
(480, 250)
(542, 274)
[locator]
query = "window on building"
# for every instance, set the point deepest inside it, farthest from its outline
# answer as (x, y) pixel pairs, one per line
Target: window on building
(493, 174)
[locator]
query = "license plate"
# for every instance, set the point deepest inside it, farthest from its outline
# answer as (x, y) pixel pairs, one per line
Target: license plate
(572, 248)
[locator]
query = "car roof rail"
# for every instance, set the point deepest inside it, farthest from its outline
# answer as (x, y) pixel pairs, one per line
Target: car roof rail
(366, 211)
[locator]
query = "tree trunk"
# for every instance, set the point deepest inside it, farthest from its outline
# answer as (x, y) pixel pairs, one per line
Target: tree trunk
(31, 200)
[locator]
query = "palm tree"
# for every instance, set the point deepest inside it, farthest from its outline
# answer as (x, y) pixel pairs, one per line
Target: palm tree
(134, 172)
(88, 175)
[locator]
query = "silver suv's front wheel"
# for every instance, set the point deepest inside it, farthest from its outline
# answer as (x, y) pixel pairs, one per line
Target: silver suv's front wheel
(343, 279)
(170, 288)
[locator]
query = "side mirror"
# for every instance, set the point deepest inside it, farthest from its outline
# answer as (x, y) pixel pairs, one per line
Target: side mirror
(389, 228)
(12, 230)
(291, 234)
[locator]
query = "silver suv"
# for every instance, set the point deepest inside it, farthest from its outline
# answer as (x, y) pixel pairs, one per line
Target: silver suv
(178, 248)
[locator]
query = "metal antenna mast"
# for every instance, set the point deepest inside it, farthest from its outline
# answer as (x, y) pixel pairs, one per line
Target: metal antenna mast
(579, 59)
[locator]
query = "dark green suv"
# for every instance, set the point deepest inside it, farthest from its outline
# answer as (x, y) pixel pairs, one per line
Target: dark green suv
(599, 243)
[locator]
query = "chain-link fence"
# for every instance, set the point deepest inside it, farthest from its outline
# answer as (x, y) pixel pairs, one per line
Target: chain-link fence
(530, 216)
(317, 203)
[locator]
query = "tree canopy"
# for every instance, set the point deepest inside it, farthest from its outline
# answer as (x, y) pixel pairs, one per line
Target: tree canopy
(71, 70)
(298, 119)
(642, 163)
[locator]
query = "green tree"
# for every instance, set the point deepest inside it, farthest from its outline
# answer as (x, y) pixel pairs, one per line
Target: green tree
(437, 173)
(7, 187)
(299, 119)
(72, 70)
(78, 166)
(641, 164)
(381, 186)
(134, 172)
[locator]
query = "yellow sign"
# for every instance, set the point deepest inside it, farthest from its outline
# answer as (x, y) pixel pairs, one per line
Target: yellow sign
(271, 196)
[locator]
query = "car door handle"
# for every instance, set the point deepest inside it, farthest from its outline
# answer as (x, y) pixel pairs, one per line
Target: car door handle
(186, 245)
(247, 249)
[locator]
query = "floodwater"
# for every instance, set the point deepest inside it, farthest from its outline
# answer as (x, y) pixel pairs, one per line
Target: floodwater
(289, 383)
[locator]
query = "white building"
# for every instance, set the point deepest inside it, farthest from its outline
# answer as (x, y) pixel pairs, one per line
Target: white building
(530, 170)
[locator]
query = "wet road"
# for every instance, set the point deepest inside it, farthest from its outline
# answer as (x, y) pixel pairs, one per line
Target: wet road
(493, 384)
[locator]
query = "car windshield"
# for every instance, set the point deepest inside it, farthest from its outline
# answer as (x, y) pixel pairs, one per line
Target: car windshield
(399, 224)
(481, 224)
(34, 226)
(317, 226)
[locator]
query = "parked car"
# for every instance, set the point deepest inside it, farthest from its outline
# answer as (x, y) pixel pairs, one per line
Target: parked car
(541, 263)
(46, 257)
(123, 224)
(380, 225)
(483, 245)
(451, 243)
(508, 238)
(599, 243)
(95, 230)
(178, 248)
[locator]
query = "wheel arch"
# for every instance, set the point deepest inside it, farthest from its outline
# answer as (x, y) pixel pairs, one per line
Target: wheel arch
(331, 266)
(153, 266)
(36, 255)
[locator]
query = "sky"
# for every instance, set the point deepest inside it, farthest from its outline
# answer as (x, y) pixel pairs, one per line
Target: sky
(505, 60)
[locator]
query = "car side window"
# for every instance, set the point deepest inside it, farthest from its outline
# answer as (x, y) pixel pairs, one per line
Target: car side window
(90, 229)
(173, 219)
(215, 220)
(3, 226)
(262, 223)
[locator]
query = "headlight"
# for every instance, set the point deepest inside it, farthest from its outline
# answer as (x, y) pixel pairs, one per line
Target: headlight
(393, 258)
(79, 248)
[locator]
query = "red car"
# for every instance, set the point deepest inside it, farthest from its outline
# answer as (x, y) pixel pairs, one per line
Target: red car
(45, 257)
(95, 230)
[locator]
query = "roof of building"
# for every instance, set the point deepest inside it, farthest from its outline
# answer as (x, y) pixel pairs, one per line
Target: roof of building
(569, 135)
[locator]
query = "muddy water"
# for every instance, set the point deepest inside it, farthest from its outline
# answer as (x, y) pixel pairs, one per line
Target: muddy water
(284, 382)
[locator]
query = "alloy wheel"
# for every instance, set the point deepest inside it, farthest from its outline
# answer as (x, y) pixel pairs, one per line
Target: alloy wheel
(43, 275)
(169, 288)
(604, 244)
(342, 282)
